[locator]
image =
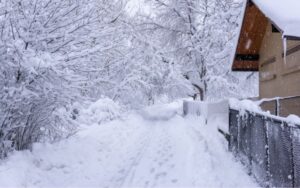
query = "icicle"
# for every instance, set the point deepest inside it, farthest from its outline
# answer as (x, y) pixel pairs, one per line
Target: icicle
(277, 106)
(284, 48)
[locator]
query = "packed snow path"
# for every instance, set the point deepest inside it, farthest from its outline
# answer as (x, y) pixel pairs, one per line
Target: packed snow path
(149, 149)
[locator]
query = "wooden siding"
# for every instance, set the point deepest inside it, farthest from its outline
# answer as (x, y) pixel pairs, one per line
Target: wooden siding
(251, 36)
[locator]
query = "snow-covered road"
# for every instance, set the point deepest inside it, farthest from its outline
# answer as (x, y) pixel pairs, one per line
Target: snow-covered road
(156, 148)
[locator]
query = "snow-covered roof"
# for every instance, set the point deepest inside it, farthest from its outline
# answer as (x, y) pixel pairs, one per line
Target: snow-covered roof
(285, 14)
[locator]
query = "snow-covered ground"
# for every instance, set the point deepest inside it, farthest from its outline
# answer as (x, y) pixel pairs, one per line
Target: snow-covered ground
(156, 147)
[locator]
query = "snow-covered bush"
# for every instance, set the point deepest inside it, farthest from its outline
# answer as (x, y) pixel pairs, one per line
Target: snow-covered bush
(101, 111)
(42, 44)
(31, 93)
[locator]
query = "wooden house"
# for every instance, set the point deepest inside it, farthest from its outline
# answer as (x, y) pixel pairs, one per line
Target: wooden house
(269, 42)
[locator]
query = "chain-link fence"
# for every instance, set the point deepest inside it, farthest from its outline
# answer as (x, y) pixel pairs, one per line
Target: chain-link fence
(269, 147)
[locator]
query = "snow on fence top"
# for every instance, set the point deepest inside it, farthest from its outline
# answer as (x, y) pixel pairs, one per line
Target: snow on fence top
(284, 13)
(253, 107)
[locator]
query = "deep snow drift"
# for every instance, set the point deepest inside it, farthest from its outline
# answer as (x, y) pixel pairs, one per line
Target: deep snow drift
(156, 147)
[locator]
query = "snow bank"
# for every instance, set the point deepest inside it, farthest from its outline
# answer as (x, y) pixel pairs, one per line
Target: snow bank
(89, 158)
(285, 14)
(220, 159)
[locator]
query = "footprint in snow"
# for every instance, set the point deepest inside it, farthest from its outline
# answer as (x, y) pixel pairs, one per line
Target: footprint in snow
(160, 175)
(174, 180)
(172, 166)
(146, 184)
(152, 170)
(122, 171)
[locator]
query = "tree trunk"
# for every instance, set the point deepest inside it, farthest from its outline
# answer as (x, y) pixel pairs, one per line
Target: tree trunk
(201, 92)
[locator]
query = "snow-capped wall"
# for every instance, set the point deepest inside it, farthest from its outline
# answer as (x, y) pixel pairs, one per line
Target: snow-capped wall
(209, 111)
(197, 108)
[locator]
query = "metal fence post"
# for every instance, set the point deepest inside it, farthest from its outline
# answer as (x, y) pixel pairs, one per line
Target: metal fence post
(292, 157)
(267, 158)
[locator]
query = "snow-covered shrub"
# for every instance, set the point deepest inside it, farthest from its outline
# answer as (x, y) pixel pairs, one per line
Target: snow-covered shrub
(31, 93)
(38, 41)
(101, 111)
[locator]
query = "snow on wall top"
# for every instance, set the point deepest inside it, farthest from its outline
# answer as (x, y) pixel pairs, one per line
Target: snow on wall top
(284, 13)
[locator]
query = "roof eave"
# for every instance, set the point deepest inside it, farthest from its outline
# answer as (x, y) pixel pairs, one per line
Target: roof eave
(239, 31)
(291, 37)
(288, 37)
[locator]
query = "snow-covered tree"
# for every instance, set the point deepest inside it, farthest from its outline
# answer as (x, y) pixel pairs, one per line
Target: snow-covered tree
(198, 34)
(147, 71)
(44, 48)
(54, 53)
